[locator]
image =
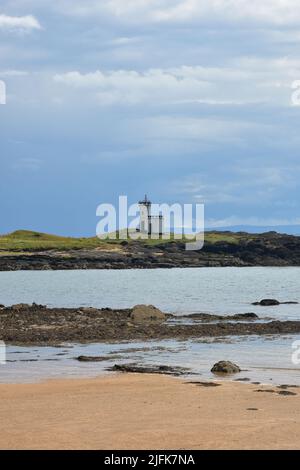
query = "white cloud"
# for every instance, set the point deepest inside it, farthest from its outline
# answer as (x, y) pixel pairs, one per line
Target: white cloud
(278, 12)
(254, 12)
(13, 73)
(270, 11)
(243, 81)
(156, 86)
(20, 23)
(239, 184)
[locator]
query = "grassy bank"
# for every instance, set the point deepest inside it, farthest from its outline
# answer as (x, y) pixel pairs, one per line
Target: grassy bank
(30, 241)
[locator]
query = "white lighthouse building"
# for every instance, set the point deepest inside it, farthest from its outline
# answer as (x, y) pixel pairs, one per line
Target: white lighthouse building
(150, 224)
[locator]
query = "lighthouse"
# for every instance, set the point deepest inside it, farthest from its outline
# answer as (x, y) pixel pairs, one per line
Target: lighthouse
(145, 215)
(149, 224)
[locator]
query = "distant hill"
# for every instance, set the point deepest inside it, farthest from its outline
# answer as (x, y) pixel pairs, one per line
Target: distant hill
(28, 240)
(288, 229)
(31, 241)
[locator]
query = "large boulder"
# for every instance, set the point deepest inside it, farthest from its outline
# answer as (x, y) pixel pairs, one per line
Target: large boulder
(225, 367)
(146, 313)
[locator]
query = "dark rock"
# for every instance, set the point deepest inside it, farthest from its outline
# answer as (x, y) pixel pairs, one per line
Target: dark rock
(38, 306)
(111, 357)
(205, 384)
(28, 360)
(91, 358)
(273, 302)
(267, 302)
(245, 316)
(225, 367)
(285, 386)
(135, 368)
(286, 393)
(244, 379)
(266, 390)
(211, 317)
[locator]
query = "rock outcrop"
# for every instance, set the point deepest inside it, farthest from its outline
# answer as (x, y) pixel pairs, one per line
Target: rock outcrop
(160, 369)
(39, 325)
(225, 367)
(146, 313)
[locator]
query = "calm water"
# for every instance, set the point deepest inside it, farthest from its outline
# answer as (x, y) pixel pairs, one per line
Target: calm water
(212, 290)
(267, 359)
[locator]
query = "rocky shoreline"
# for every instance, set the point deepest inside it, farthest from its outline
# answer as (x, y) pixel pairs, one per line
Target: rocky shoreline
(38, 325)
(270, 249)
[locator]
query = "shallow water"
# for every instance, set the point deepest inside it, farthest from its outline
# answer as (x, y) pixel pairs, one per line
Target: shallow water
(265, 360)
(211, 290)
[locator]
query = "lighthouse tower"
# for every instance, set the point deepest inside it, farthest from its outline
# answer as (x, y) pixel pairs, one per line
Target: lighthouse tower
(145, 215)
(150, 224)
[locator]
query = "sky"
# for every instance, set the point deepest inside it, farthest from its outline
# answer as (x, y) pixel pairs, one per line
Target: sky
(188, 101)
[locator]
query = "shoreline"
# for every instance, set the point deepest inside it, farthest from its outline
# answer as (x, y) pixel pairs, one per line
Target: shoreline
(64, 261)
(133, 411)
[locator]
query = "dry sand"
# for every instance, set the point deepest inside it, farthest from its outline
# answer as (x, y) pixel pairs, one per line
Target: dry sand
(146, 412)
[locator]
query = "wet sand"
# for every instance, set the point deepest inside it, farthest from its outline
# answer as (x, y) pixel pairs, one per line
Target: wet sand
(134, 411)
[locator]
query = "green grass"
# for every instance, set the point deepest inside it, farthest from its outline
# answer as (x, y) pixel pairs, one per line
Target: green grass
(30, 241)
(26, 240)
(229, 237)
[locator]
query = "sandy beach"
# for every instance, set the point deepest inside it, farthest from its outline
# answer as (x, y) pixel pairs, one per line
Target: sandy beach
(137, 411)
